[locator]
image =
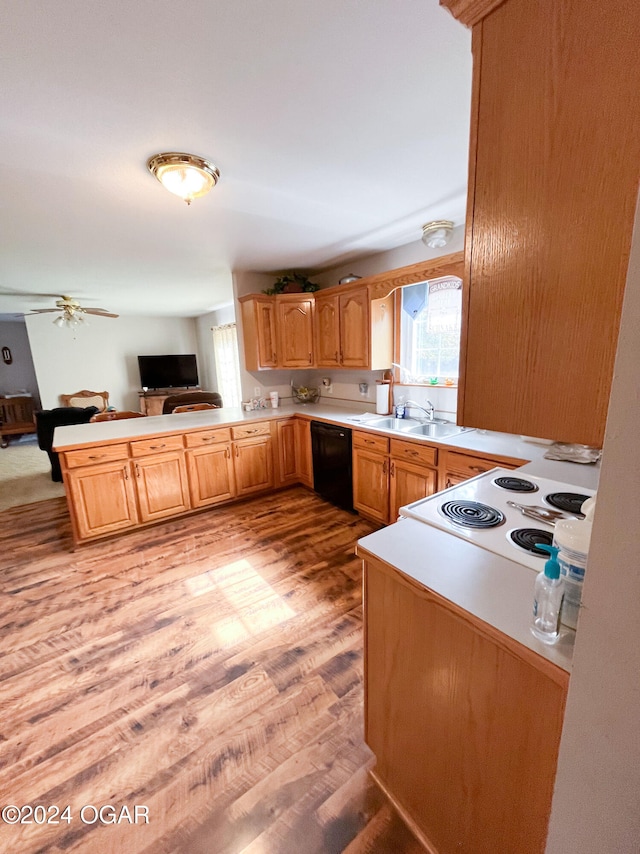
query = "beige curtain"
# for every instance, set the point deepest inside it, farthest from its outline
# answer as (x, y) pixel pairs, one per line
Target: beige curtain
(225, 352)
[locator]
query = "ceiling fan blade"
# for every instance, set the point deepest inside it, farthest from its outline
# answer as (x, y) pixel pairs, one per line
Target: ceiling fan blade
(9, 292)
(42, 310)
(99, 312)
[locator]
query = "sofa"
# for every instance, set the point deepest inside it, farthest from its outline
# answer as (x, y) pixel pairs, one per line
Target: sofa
(46, 422)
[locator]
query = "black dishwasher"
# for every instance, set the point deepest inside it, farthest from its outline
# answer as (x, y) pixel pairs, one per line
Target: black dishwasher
(331, 448)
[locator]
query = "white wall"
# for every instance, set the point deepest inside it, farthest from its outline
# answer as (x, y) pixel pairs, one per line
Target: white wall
(102, 356)
(596, 801)
(20, 374)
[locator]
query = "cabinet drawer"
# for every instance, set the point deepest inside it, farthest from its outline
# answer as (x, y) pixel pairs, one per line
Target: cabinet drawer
(156, 445)
(370, 441)
(469, 466)
(90, 456)
(414, 452)
(248, 431)
(207, 437)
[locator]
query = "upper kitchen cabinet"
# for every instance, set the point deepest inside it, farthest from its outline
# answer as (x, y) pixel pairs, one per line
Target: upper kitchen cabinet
(294, 324)
(553, 181)
(353, 329)
(259, 331)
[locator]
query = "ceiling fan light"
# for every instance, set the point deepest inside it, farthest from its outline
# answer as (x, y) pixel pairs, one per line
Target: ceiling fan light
(436, 234)
(184, 175)
(59, 321)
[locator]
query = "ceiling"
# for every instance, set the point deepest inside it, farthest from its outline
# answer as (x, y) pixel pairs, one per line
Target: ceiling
(339, 128)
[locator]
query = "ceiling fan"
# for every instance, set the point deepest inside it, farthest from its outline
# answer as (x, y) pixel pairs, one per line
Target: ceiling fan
(71, 312)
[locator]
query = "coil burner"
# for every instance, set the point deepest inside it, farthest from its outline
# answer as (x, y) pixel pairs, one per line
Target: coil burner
(471, 514)
(515, 484)
(529, 538)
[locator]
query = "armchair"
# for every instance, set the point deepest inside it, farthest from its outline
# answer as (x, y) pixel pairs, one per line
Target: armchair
(46, 422)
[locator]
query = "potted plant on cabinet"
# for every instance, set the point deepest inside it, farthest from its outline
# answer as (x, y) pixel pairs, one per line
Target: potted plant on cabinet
(292, 283)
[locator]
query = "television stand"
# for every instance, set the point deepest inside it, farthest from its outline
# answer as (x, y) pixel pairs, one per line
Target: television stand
(151, 401)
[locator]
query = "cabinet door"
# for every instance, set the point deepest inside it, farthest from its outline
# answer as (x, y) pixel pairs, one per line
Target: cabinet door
(354, 329)
(102, 498)
(409, 482)
(327, 328)
(295, 331)
(371, 484)
(304, 459)
(253, 465)
(551, 215)
(211, 475)
(462, 714)
(162, 485)
(259, 332)
(286, 452)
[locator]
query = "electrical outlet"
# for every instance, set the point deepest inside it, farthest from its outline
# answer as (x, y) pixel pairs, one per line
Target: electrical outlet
(328, 389)
(257, 392)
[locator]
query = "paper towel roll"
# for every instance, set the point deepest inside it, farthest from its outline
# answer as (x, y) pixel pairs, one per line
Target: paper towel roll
(382, 398)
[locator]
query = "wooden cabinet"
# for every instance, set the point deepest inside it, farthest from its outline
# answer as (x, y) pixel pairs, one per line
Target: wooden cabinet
(353, 330)
(412, 474)
(327, 330)
(304, 457)
(259, 331)
(554, 172)
(161, 485)
(456, 467)
(210, 467)
(102, 498)
(295, 330)
(464, 722)
(252, 458)
(387, 474)
(284, 435)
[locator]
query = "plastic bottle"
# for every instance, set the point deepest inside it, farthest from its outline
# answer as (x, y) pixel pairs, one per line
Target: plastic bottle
(400, 408)
(547, 602)
(572, 537)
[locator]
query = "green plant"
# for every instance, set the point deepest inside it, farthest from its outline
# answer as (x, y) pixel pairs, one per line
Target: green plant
(291, 282)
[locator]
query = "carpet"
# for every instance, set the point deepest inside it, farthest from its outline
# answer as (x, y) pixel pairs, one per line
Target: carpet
(25, 474)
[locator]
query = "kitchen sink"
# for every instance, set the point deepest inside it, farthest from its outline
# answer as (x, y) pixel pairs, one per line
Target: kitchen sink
(437, 429)
(403, 424)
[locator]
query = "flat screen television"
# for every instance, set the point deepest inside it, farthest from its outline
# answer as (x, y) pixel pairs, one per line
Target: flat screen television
(179, 371)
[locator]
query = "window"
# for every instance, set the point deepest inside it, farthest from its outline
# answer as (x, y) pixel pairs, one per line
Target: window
(430, 320)
(225, 353)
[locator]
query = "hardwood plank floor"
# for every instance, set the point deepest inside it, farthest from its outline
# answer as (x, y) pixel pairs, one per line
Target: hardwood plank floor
(207, 670)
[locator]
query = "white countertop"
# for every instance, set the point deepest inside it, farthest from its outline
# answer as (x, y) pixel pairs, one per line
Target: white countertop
(493, 589)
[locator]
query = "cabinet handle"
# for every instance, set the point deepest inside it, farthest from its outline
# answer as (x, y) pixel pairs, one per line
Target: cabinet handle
(96, 456)
(448, 484)
(273, 357)
(207, 439)
(413, 453)
(393, 469)
(157, 447)
(478, 468)
(384, 467)
(369, 441)
(309, 358)
(237, 452)
(137, 470)
(126, 472)
(226, 453)
(251, 431)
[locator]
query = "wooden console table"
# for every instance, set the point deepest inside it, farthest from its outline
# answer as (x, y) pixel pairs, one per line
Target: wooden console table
(151, 402)
(16, 418)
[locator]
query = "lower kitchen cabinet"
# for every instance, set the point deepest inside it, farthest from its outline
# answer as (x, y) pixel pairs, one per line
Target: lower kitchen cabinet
(304, 457)
(103, 498)
(252, 458)
(211, 474)
(464, 722)
(456, 467)
(284, 434)
(161, 485)
(387, 474)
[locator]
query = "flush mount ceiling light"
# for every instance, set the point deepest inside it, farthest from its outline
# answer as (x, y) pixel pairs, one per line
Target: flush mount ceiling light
(184, 175)
(436, 234)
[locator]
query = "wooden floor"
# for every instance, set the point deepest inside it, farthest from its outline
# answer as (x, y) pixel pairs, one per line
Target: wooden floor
(208, 670)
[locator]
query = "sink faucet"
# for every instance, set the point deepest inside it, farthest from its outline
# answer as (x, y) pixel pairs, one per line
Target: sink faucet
(428, 410)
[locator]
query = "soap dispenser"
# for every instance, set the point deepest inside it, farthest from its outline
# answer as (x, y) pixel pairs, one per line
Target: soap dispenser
(547, 602)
